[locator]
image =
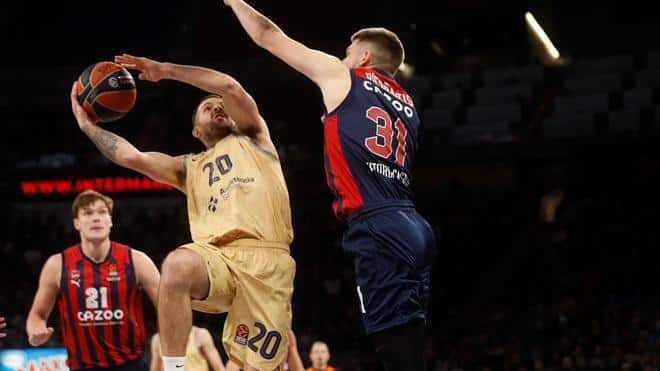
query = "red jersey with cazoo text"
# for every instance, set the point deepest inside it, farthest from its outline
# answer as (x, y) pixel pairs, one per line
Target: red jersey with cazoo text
(370, 142)
(100, 306)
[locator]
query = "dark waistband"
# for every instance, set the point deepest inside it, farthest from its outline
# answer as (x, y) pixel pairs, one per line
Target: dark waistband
(378, 207)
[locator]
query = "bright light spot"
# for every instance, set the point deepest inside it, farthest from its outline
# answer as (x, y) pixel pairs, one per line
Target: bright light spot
(406, 70)
(538, 30)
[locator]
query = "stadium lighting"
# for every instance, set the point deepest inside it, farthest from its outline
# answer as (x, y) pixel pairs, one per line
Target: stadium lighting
(538, 30)
(406, 70)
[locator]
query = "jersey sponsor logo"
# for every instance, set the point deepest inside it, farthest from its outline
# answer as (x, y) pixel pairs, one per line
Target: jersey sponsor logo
(74, 274)
(391, 98)
(100, 317)
(113, 276)
(234, 182)
(401, 95)
(242, 334)
(389, 173)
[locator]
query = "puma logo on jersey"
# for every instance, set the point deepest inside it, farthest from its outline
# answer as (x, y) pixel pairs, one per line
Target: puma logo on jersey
(75, 277)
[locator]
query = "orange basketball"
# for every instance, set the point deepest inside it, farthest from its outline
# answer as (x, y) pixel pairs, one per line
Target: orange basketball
(106, 91)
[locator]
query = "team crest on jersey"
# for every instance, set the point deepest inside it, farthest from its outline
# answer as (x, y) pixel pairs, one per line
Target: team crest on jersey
(112, 273)
(74, 274)
(242, 333)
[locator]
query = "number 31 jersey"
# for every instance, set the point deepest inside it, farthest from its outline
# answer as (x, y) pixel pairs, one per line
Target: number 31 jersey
(236, 190)
(370, 141)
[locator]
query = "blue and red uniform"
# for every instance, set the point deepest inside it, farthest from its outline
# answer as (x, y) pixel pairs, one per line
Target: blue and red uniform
(370, 144)
(100, 307)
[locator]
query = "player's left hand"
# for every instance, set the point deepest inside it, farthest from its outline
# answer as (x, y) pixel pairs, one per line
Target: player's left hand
(81, 115)
(150, 69)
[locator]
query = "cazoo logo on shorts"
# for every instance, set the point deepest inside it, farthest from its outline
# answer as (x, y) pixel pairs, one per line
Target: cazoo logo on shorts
(101, 315)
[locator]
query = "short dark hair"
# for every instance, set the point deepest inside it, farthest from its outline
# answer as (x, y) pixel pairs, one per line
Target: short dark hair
(87, 198)
(206, 97)
(389, 48)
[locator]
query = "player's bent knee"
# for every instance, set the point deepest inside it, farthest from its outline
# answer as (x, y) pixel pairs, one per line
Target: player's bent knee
(182, 265)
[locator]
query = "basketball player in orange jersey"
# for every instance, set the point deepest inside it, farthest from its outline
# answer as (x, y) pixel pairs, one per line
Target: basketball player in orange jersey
(370, 128)
(240, 221)
(201, 353)
(98, 285)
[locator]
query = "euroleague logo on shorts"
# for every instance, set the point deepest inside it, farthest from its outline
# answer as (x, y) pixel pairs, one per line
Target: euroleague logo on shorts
(242, 333)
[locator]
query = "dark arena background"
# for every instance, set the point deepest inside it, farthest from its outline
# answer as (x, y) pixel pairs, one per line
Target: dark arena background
(538, 166)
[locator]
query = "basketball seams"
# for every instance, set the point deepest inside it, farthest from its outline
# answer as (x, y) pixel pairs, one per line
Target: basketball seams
(105, 77)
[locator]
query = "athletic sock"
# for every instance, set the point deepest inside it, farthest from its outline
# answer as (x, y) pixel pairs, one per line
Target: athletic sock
(174, 363)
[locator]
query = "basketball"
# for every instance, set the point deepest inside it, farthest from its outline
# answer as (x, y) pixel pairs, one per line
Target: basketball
(106, 91)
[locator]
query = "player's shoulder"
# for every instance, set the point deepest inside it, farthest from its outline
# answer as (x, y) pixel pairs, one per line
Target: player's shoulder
(73, 249)
(139, 256)
(55, 260)
(52, 269)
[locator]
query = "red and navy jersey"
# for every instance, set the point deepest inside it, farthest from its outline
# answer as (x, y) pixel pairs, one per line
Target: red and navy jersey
(370, 141)
(100, 307)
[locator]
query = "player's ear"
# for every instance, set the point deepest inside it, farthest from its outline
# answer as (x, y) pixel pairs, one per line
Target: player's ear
(365, 58)
(76, 224)
(195, 132)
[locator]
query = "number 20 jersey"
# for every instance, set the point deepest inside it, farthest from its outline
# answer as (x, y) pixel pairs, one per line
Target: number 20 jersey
(236, 190)
(370, 141)
(100, 307)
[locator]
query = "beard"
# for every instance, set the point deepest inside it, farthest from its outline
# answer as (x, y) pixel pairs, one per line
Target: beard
(219, 130)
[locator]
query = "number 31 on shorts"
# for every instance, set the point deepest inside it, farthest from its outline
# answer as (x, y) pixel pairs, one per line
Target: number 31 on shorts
(265, 342)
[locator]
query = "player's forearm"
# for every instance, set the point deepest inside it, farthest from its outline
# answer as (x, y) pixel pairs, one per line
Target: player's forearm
(255, 24)
(206, 79)
(111, 145)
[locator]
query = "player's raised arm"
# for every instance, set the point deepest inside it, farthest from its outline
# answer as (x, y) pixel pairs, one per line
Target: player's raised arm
(239, 104)
(36, 325)
(325, 70)
(158, 166)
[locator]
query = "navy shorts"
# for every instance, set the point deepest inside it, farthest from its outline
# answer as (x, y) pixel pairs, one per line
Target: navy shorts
(393, 249)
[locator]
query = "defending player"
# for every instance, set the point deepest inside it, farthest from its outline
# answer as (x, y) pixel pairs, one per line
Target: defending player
(240, 221)
(98, 285)
(370, 129)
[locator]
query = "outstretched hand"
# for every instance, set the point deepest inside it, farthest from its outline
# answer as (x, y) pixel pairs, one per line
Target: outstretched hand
(150, 69)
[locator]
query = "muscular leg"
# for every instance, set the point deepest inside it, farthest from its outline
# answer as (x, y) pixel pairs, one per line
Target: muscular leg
(183, 277)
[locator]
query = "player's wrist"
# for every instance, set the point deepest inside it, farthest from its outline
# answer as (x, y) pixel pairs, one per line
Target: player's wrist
(167, 70)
